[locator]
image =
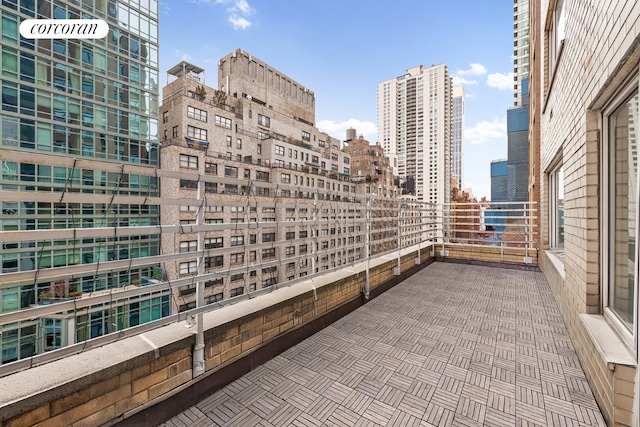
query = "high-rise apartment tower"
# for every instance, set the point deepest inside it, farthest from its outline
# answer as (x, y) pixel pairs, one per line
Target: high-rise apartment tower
(415, 127)
(520, 47)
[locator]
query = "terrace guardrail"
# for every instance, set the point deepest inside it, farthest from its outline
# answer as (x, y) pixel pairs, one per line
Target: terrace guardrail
(312, 236)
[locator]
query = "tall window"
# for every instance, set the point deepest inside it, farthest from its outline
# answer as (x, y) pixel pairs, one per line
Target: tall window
(555, 37)
(623, 209)
(556, 206)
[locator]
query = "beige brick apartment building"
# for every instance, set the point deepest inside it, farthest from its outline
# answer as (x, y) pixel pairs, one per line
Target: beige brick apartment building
(270, 195)
(584, 92)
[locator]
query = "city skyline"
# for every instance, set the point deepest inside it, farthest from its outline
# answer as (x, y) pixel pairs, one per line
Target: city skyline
(344, 52)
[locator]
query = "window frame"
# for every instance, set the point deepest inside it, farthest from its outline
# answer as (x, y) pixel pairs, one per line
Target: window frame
(555, 36)
(213, 242)
(223, 122)
(196, 114)
(554, 192)
(196, 133)
(629, 335)
(188, 246)
(188, 161)
(237, 240)
(264, 121)
(188, 267)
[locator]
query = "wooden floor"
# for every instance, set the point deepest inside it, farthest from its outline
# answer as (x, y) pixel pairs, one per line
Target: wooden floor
(454, 345)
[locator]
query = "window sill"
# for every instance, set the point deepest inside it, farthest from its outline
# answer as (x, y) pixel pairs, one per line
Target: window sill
(556, 258)
(610, 347)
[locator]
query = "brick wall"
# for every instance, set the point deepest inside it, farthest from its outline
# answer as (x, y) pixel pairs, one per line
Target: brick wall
(613, 390)
(593, 66)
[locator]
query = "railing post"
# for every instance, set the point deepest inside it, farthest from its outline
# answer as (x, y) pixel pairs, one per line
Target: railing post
(366, 286)
(398, 270)
(418, 207)
(443, 251)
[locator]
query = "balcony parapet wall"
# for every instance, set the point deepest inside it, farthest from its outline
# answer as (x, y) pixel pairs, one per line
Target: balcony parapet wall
(105, 385)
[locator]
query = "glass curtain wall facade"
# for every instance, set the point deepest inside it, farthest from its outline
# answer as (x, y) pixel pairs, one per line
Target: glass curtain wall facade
(74, 114)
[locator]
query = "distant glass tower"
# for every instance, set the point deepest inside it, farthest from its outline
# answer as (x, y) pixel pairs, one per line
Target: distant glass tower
(457, 136)
(499, 181)
(518, 148)
(520, 47)
(78, 151)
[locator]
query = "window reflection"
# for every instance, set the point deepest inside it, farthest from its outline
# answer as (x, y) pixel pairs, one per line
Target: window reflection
(624, 188)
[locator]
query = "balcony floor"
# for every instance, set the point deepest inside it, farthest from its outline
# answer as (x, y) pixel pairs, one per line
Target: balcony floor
(454, 344)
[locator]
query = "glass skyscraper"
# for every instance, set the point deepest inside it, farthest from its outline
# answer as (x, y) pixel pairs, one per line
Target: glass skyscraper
(79, 157)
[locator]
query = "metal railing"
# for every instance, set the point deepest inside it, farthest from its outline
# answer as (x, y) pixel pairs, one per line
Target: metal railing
(334, 235)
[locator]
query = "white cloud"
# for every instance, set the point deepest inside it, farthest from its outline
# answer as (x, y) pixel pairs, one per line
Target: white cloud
(242, 6)
(474, 70)
(238, 22)
(183, 55)
(457, 81)
(500, 81)
(486, 131)
(239, 11)
(339, 129)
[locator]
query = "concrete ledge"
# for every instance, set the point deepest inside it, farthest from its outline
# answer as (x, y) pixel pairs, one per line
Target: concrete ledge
(557, 263)
(610, 347)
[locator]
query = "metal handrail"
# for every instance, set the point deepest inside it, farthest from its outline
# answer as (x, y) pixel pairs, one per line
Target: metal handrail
(401, 223)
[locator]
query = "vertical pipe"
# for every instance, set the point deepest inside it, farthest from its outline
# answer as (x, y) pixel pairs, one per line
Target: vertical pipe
(314, 231)
(198, 350)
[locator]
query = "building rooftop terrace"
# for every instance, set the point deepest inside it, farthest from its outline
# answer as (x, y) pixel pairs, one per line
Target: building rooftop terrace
(454, 344)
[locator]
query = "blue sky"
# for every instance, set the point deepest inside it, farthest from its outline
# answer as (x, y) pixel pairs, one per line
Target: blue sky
(342, 49)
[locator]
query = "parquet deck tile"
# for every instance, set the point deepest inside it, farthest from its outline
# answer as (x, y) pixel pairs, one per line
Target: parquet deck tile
(453, 345)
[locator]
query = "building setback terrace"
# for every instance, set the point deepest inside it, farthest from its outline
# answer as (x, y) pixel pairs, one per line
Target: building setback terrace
(454, 344)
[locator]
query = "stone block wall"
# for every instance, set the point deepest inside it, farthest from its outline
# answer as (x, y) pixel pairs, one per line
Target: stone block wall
(489, 254)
